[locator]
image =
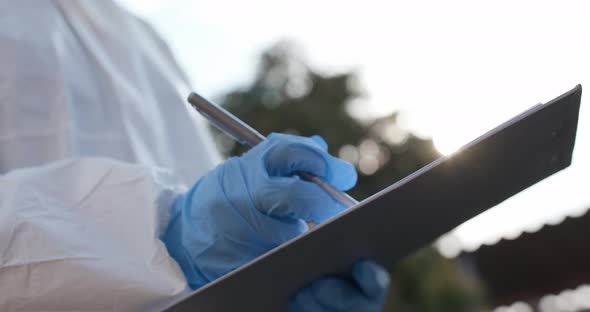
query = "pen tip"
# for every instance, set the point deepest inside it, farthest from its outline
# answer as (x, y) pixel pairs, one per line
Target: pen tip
(192, 96)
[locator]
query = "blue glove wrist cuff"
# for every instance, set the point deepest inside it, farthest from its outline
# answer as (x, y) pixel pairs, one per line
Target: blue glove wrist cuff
(173, 239)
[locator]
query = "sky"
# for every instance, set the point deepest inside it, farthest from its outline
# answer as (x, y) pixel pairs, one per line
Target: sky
(454, 68)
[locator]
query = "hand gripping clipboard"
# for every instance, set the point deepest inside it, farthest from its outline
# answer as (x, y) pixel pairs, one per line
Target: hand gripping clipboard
(407, 215)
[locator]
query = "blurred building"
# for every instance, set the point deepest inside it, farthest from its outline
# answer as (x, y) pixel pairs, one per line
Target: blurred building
(547, 270)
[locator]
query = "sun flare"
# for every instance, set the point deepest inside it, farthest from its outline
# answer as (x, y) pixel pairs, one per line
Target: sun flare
(448, 144)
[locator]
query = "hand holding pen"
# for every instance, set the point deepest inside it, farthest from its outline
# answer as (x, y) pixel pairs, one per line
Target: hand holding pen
(244, 134)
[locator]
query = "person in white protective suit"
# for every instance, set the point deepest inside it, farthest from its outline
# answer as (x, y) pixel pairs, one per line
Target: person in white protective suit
(112, 195)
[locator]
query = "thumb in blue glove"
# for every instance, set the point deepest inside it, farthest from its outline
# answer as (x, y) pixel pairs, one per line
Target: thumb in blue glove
(251, 204)
(366, 293)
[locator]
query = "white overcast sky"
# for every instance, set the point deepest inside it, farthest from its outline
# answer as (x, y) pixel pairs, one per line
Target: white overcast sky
(455, 68)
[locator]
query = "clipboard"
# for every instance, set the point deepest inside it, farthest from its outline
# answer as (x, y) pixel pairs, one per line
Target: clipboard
(407, 215)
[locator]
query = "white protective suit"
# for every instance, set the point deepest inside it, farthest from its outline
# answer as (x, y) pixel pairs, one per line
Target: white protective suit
(96, 140)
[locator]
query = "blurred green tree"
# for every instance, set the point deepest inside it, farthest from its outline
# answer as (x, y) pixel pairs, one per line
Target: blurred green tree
(428, 282)
(288, 96)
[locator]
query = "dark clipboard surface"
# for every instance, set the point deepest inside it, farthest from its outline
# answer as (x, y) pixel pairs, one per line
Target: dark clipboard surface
(407, 215)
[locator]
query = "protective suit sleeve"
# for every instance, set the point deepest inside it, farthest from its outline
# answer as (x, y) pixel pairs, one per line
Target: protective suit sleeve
(83, 234)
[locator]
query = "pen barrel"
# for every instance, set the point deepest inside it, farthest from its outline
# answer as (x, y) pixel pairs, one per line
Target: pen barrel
(345, 199)
(225, 121)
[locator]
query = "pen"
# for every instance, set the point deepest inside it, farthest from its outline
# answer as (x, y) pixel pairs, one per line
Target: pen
(244, 134)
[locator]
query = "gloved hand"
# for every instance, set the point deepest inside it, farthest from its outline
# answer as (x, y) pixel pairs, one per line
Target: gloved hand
(366, 294)
(251, 204)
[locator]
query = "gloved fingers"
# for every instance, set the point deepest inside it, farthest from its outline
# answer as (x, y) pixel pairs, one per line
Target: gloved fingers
(371, 278)
(305, 301)
(279, 230)
(337, 294)
(290, 154)
(342, 174)
(292, 198)
(320, 141)
(365, 294)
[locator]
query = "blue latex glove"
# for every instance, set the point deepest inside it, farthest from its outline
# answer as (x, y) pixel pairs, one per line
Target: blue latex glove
(251, 204)
(365, 294)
